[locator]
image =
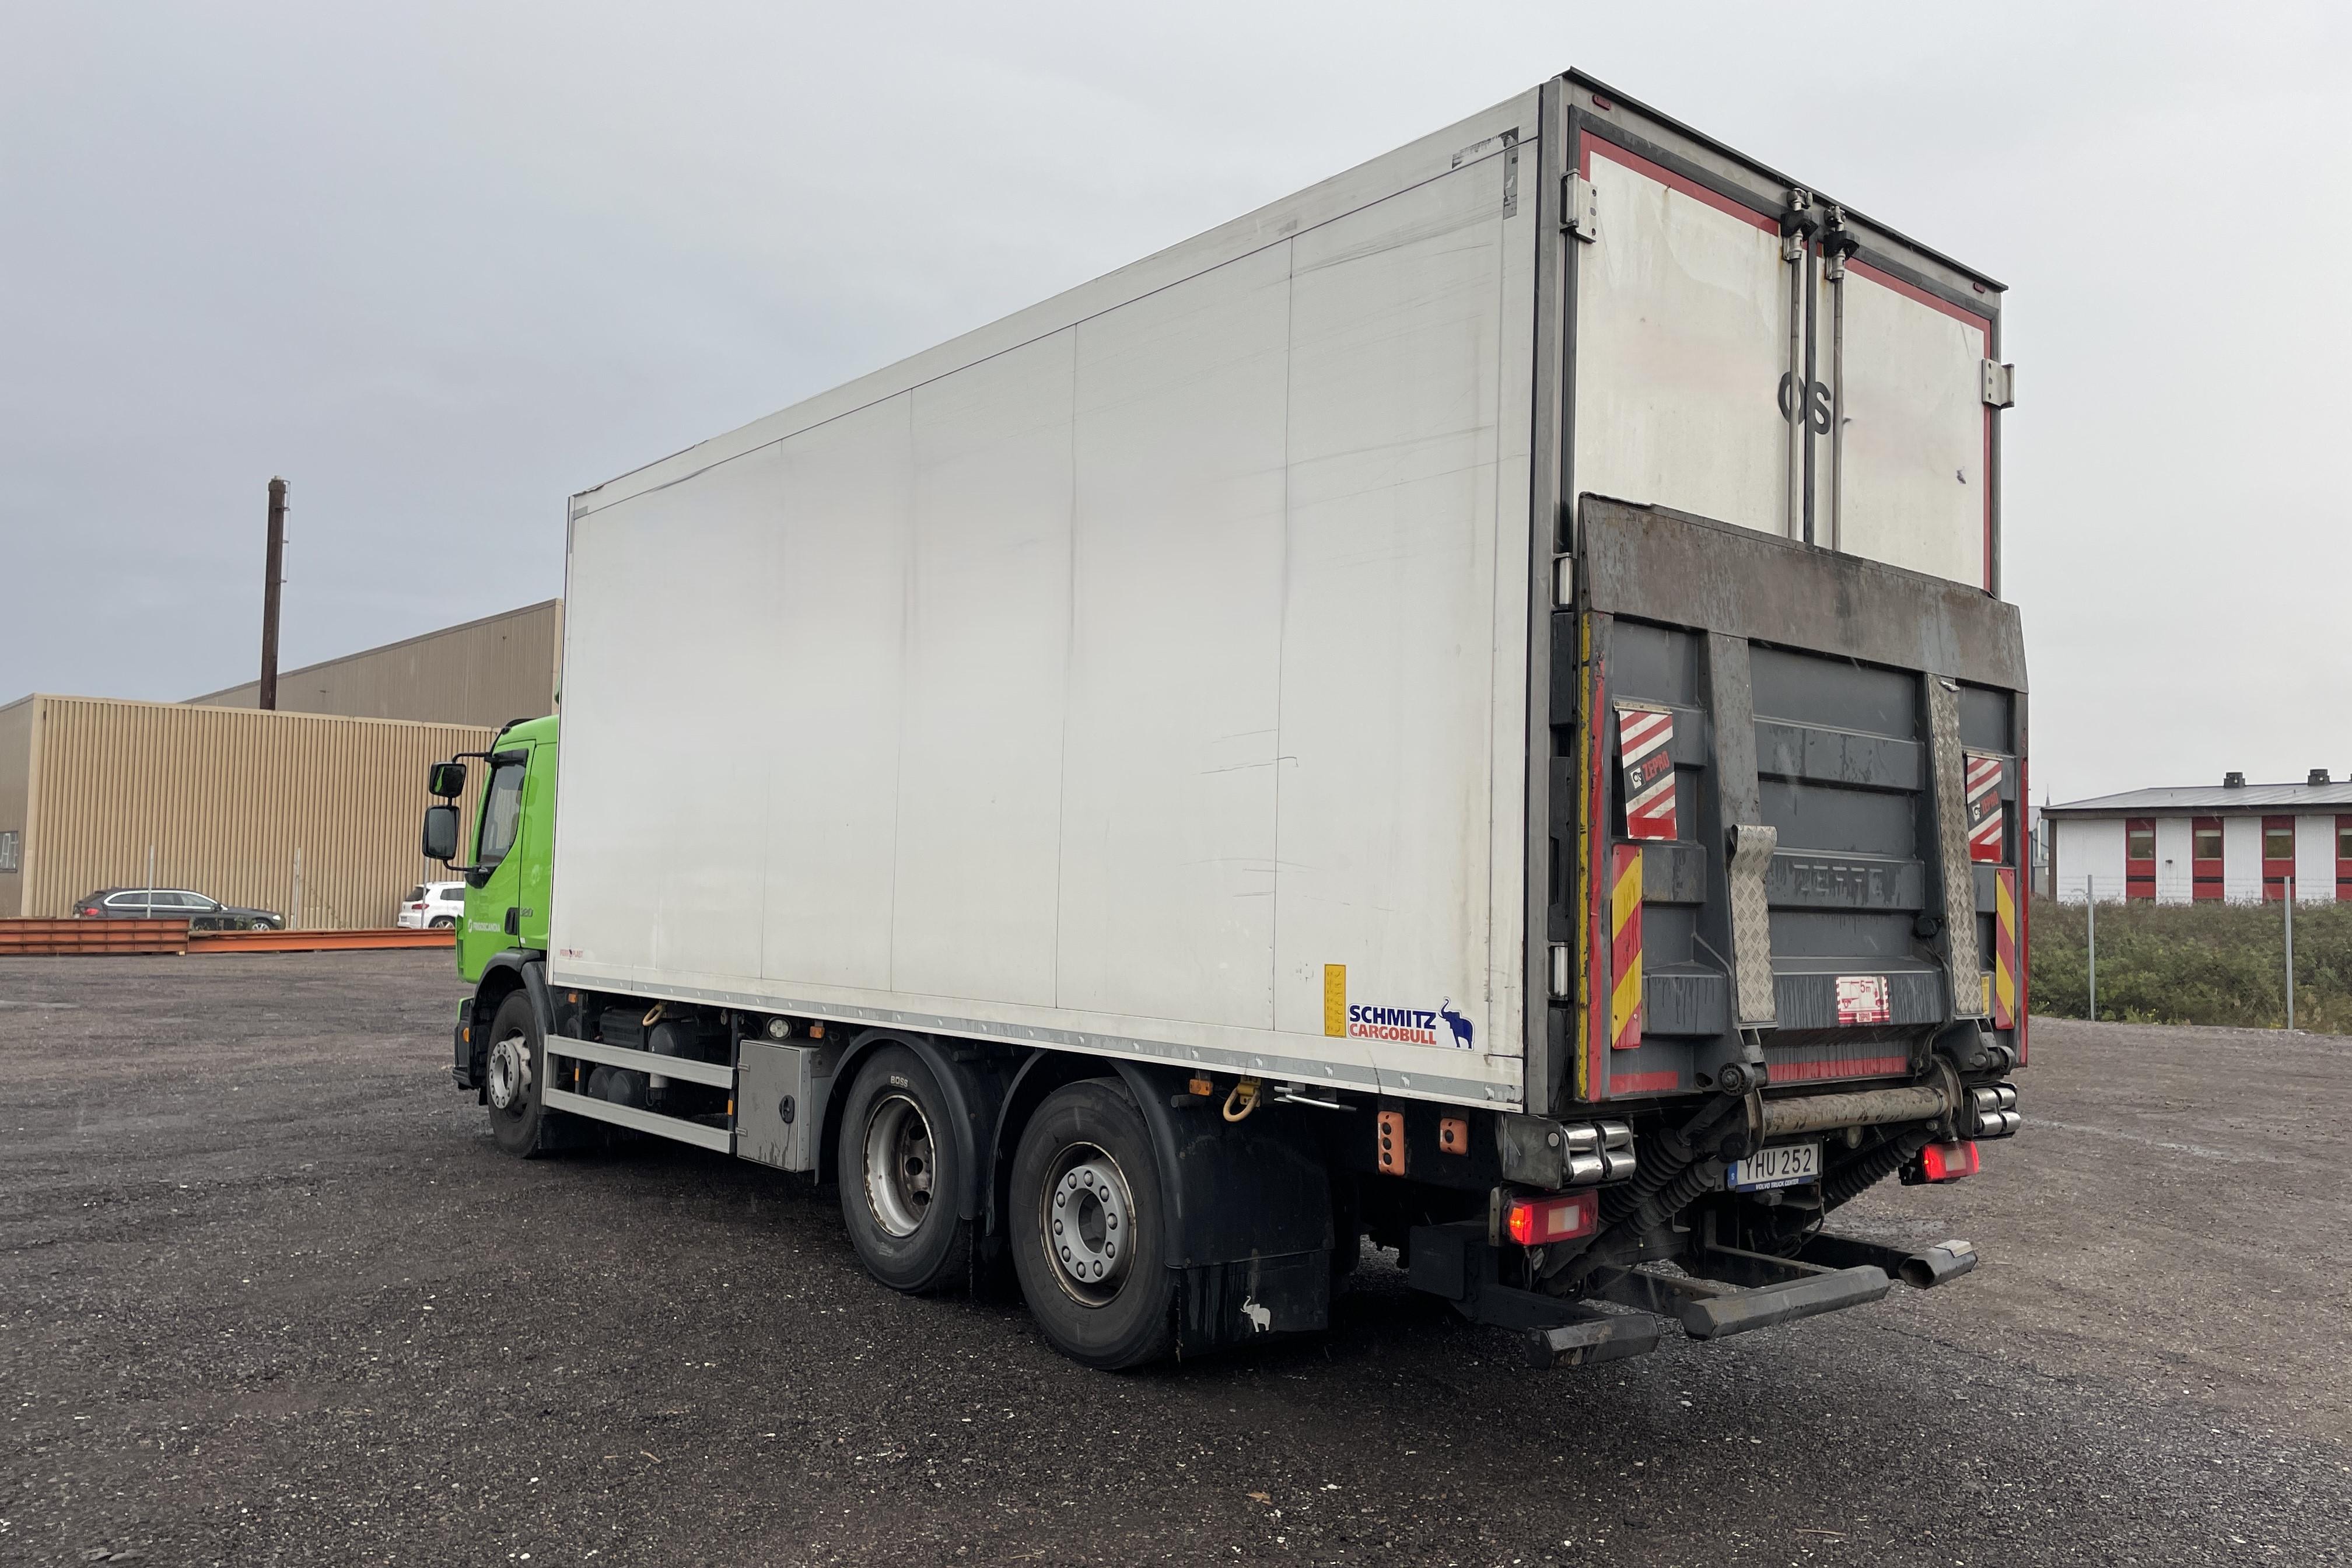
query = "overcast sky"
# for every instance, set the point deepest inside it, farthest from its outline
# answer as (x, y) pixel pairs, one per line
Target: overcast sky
(442, 265)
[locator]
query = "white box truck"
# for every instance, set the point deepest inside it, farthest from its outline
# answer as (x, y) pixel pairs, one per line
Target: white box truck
(1469, 707)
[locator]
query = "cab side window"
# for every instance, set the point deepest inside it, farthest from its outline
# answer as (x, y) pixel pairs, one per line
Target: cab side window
(501, 815)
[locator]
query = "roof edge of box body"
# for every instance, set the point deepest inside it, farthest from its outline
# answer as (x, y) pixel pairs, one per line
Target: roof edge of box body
(1766, 187)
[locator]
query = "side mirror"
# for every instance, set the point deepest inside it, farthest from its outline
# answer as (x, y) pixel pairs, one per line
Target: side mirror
(447, 780)
(440, 837)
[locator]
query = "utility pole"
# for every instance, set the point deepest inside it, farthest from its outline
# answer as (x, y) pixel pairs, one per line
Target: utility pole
(274, 574)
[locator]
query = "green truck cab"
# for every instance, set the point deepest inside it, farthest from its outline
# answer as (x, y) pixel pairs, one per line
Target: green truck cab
(511, 841)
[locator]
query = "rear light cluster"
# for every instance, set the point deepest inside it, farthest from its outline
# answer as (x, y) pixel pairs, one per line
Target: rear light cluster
(1993, 1112)
(1537, 1221)
(1601, 1153)
(1946, 1161)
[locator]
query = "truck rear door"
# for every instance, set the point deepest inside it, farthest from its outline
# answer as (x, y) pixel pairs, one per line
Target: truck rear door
(1786, 706)
(1749, 351)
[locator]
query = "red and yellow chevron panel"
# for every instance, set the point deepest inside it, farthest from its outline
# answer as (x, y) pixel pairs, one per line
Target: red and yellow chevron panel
(1645, 745)
(1984, 806)
(1591, 821)
(1625, 947)
(2004, 948)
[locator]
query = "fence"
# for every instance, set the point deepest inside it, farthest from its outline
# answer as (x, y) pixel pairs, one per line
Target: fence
(66, 938)
(2195, 963)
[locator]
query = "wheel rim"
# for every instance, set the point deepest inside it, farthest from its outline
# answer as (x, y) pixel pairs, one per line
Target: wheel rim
(509, 1076)
(1087, 1223)
(900, 1167)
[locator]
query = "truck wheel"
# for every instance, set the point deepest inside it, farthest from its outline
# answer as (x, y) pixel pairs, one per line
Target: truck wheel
(514, 1068)
(900, 1175)
(1086, 1217)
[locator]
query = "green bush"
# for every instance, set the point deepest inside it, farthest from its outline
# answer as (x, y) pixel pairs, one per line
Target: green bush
(2195, 964)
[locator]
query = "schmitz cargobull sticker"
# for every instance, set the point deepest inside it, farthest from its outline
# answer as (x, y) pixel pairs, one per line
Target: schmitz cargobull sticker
(1438, 1026)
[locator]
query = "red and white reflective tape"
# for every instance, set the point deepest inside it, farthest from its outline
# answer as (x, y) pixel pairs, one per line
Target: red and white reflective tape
(1984, 806)
(1645, 742)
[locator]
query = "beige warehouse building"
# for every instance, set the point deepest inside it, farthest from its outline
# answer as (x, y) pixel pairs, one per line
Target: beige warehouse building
(489, 671)
(311, 810)
(310, 815)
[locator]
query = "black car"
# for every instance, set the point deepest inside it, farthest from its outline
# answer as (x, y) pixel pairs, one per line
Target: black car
(175, 904)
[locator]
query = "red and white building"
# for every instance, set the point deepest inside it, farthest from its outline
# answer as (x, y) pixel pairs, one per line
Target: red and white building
(2240, 842)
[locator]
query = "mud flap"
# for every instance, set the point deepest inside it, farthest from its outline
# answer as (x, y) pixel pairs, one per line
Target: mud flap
(1224, 1304)
(464, 1071)
(1248, 1219)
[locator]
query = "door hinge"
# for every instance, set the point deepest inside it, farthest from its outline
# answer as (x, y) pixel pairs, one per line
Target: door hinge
(1837, 244)
(1580, 207)
(1999, 384)
(1798, 225)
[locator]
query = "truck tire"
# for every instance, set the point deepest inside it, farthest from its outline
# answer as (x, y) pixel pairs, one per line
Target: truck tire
(514, 1068)
(901, 1175)
(1088, 1229)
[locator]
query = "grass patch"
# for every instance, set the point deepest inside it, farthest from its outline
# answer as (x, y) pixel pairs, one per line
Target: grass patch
(2195, 964)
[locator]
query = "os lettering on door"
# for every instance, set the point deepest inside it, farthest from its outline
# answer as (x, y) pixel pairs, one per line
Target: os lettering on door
(1819, 412)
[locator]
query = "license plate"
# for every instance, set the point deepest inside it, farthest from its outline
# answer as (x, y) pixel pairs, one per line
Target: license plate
(1783, 1165)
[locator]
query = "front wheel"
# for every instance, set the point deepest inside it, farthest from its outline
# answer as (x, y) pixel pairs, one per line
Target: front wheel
(1086, 1219)
(514, 1069)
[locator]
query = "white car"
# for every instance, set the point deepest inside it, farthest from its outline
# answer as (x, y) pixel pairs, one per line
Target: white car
(434, 906)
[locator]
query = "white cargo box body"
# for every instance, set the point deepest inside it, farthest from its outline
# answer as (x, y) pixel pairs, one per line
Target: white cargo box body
(1152, 672)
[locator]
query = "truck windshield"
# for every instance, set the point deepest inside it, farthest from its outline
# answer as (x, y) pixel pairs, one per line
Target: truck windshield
(501, 815)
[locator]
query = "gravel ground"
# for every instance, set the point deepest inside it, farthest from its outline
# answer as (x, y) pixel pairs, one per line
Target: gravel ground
(269, 1295)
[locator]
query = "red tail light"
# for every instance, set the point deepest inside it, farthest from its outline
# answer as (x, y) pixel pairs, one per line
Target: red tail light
(1948, 1162)
(1532, 1222)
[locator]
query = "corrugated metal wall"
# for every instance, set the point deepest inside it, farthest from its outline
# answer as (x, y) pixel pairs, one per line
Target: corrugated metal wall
(16, 775)
(484, 672)
(225, 798)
